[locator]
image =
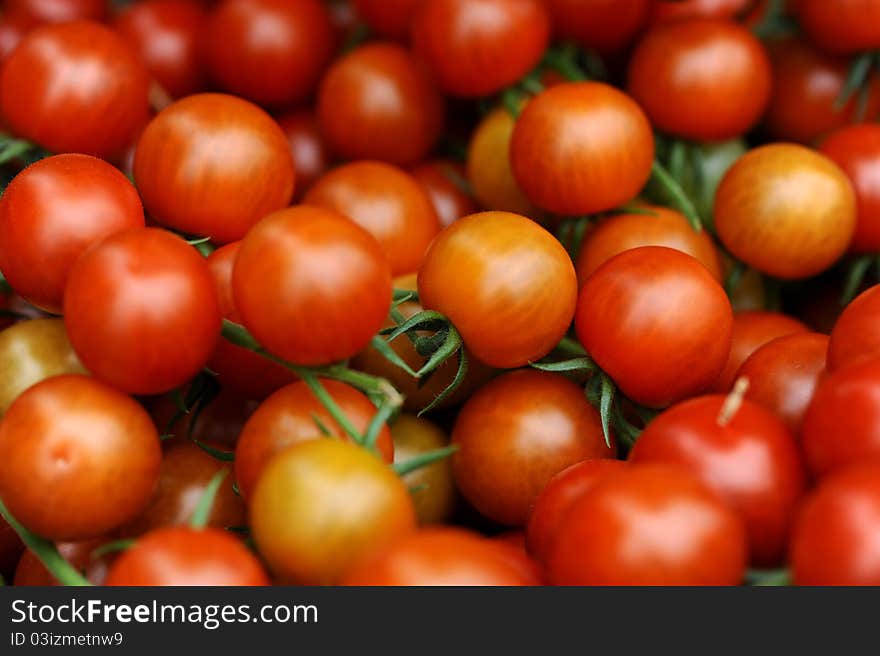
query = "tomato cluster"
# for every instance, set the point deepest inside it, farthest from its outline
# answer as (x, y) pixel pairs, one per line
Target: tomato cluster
(440, 292)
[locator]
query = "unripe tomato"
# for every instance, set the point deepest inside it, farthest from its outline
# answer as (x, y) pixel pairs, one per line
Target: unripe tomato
(608, 26)
(213, 165)
(856, 335)
(505, 283)
(388, 18)
(445, 182)
(77, 458)
(785, 210)
(58, 11)
(581, 148)
(843, 26)
(297, 300)
(311, 155)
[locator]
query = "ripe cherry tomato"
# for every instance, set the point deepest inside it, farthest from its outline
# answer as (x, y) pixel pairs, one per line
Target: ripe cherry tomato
(213, 165)
(446, 184)
(785, 210)
(183, 556)
(77, 458)
(13, 27)
(388, 18)
(783, 375)
(311, 156)
(834, 541)
(844, 26)
(608, 26)
(441, 557)
(513, 546)
(141, 311)
(322, 507)
(293, 415)
(657, 322)
(75, 87)
(58, 11)
(295, 298)
(671, 10)
(649, 525)
(506, 284)
(856, 335)
(402, 128)
(31, 571)
(167, 34)
(856, 149)
(663, 227)
(271, 52)
(581, 148)
(51, 213)
(388, 203)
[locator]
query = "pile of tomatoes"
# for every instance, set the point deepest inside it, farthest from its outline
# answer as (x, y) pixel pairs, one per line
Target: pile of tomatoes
(440, 292)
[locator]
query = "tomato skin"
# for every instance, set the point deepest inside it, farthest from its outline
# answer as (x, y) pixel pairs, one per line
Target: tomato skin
(385, 201)
(649, 524)
(77, 458)
(213, 165)
(322, 507)
(784, 373)
(475, 48)
(167, 34)
(288, 417)
(842, 27)
(401, 129)
(75, 87)
(31, 572)
(834, 539)
(218, 425)
(637, 317)
(279, 70)
(506, 284)
(515, 434)
(311, 155)
(141, 311)
(58, 11)
(442, 180)
(581, 148)
(604, 25)
(183, 556)
(299, 305)
(673, 10)
(51, 213)
(388, 18)
(786, 210)
(855, 336)
(13, 27)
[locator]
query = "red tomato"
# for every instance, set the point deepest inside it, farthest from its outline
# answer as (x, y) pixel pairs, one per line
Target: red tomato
(31, 571)
(293, 415)
(513, 548)
(670, 10)
(657, 322)
(834, 541)
(271, 52)
(856, 334)
(649, 525)
(213, 165)
(402, 128)
(605, 25)
(311, 155)
(506, 284)
(75, 87)
(783, 375)
(58, 11)
(167, 34)
(388, 18)
(13, 27)
(445, 182)
(581, 148)
(182, 556)
(843, 26)
(51, 213)
(77, 458)
(477, 47)
(294, 296)
(141, 311)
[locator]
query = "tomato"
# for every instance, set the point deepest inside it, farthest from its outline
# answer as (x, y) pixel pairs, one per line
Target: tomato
(751, 330)
(75, 87)
(657, 322)
(581, 148)
(506, 284)
(388, 18)
(783, 375)
(557, 498)
(605, 25)
(182, 556)
(670, 10)
(13, 27)
(51, 213)
(322, 507)
(293, 415)
(30, 352)
(844, 26)
(856, 149)
(141, 311)
(663, 227)
(649, 525)
(217, 424)
(445, 182)
(167, 34)
(213, 165)
(834, 541)
(388, 203)
(311, 156)
(785, 210)
(293, 296)
(706, 80)
(31, 572)
(842, 424)
(77, 458)
(58, 11)
(271, 52)
(513, 548)
(855, 335)
(515, 434)
(402, 128)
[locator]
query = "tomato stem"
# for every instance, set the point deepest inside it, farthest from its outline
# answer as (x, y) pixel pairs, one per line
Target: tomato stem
(202, 513)
(423, 460)
(681, 200)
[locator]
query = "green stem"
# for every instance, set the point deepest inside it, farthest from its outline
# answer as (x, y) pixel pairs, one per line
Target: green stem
(679, 197)
(202, 513)
(423, 460)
